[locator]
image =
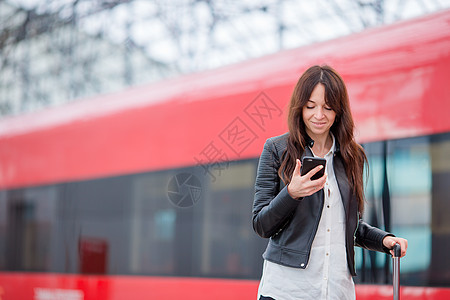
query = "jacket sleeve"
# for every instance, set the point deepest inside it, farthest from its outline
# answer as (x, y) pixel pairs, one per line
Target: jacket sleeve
(271, 208)
(371, 238)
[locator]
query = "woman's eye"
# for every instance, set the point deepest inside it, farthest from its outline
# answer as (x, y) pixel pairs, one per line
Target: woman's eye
(328, 108)
(309, 107)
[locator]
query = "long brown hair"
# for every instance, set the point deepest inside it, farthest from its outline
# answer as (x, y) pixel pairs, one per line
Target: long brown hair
(336, 97)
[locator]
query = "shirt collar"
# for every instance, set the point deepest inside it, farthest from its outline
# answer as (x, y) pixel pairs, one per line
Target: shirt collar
(334, 147)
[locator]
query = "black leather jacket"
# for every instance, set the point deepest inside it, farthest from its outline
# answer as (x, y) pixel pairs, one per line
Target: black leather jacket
(291, 224)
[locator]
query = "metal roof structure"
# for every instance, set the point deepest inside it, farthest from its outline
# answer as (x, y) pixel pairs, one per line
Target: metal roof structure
(55, 51)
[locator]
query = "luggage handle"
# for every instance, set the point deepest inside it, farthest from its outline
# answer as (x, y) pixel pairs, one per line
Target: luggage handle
(397, 250)
(396, 270)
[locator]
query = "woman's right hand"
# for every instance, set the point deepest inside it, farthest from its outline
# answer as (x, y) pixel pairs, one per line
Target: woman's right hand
(302, 186)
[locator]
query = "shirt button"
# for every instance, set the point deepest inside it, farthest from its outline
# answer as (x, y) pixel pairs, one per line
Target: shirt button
(327, 253)
(328, 206)
(328, 229)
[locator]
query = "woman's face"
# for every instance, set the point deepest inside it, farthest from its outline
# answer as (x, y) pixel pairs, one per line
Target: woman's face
(317, 115)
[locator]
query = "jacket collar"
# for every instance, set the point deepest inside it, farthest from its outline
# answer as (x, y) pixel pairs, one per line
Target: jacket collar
(310, 143)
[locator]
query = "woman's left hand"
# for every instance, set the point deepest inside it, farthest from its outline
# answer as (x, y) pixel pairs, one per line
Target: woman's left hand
(390, 241)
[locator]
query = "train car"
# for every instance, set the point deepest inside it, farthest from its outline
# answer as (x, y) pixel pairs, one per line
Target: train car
(147, 193)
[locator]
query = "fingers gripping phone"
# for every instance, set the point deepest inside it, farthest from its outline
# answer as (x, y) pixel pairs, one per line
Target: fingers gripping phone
(309, 163)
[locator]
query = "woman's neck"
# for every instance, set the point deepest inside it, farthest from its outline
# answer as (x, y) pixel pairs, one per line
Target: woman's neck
(322, 144)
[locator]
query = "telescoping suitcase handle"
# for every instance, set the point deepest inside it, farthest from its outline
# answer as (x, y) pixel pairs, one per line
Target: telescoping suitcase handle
(396, 270)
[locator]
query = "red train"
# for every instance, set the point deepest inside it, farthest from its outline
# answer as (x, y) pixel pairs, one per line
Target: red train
(147, 193)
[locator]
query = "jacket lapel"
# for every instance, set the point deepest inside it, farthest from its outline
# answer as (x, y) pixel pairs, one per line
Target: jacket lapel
(342, 180)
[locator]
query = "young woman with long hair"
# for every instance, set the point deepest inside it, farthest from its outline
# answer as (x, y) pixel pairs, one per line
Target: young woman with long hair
(313, 225)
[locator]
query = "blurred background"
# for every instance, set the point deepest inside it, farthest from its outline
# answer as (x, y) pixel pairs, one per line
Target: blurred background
(130, 132)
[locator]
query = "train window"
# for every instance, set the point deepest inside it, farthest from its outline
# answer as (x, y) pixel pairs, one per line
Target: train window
(228, 239)
(405, 194)
(195, 222)
(153, 226)
(3, 229)
(27, 226)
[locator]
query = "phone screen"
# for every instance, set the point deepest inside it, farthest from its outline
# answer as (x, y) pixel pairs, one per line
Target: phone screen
(310, 162)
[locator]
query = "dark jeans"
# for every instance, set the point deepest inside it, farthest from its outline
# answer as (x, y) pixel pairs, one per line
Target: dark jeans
(265, 298)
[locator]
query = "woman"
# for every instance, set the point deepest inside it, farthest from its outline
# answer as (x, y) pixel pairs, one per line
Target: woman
(313, 225)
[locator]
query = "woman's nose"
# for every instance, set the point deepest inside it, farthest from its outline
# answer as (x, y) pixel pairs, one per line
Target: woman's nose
(319, 113)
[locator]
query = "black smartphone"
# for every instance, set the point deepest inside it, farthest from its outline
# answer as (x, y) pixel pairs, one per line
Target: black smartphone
(310, 162)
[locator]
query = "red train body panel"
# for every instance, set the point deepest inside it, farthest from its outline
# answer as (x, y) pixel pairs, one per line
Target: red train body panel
(74, 287)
